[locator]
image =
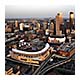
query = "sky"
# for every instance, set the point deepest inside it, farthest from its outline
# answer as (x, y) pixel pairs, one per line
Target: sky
(21, 11)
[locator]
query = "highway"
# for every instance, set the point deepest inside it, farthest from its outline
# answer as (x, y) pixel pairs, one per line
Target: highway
(54, 65)
(42, 68)
(42, 65)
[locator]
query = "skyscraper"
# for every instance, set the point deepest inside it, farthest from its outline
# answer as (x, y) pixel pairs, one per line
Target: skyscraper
(71, 20)
(59, 21)
(67, 27)
(21, 26)
(16, 23)
(45, 25)
(51, 28)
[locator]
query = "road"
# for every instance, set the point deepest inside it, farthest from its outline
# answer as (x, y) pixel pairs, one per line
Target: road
(54, 65)
(43, 64)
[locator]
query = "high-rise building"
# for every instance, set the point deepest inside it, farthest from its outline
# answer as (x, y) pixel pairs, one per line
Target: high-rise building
(16, 23)
(59, 21)
(51, 28)
(38, 25)
(21, 26)
(62, 29)
(67, 27)
(71, 20)
(45, 24)
(71, 17)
